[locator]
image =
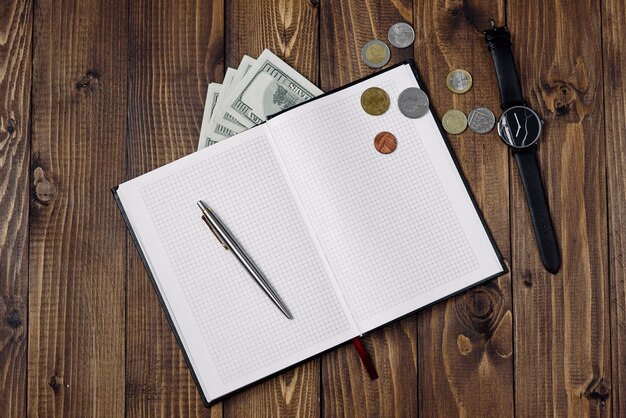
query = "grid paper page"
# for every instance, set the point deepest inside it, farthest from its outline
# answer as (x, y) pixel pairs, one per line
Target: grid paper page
(243, 330)
(385, 222)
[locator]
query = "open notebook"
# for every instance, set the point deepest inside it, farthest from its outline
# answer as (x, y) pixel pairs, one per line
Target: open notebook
(351, 239)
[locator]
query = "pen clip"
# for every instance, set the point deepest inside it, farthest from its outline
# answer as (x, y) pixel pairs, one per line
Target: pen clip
(206, 221)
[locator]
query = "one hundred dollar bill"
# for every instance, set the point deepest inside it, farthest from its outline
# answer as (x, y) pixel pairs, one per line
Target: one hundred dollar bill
(217, 131)
(269, 87)
(244, 66)
(212, 95)
(208, 130)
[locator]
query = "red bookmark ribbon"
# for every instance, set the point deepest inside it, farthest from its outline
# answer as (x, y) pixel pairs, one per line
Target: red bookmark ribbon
(365, 359)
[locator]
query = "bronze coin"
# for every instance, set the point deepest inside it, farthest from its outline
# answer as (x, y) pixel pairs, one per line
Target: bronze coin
(375, 101)
(385, 142)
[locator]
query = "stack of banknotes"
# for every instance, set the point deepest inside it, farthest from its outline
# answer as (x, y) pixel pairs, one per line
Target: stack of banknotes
(258, 88)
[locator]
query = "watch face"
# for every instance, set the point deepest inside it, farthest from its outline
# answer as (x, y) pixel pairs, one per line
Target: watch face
(519, 127)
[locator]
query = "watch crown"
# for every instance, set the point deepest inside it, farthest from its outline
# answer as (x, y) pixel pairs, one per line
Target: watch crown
(543, 121)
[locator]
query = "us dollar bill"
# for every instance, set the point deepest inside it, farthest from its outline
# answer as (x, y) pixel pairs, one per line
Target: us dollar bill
(269, 87)
(207, 131)
(244, 66)
(216, 131)
(212, 95)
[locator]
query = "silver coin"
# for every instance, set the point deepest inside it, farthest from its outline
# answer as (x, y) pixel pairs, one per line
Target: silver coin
(413, 103)
(401, 35)
(375, 53)
(481, 120)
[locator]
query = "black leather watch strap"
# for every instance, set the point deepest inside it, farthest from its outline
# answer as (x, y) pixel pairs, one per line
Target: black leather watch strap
(538, 206)
(499, 43)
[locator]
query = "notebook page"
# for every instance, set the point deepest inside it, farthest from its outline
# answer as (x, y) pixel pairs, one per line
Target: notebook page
(233, 332)
(398, 230)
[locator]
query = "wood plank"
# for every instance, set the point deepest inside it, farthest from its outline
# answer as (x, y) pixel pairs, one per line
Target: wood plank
(76, 295)
(175, 50)
(562, 358)
(466, 342)
(290, 30)
(614, 58)
(345, 26)
(15, 80)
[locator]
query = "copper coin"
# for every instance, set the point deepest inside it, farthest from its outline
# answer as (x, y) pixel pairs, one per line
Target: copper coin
(385, 142)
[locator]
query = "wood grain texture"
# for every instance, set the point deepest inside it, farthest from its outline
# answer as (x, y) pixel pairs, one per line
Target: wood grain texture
(92, 93)
(295, 393)
(76, 292)
(345, 26)
(614, 59)
(15, 81)
(175, 49)
(562, 336)
(466, 343)
(290, 30)
(287, 28)
(349, 392)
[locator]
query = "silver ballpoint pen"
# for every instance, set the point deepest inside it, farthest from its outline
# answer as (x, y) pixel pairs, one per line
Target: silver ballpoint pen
(229, 243)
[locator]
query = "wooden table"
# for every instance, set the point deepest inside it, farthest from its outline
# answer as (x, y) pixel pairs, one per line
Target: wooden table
(93, 93)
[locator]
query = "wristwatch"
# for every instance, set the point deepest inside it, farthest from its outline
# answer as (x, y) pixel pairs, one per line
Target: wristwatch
(520, 127)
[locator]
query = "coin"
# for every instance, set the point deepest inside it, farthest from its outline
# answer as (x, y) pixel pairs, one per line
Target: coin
(454, 121)
(401, 35)
(459, 81)
(413, 102)
(375, 101)
(481, 120)
(385, 142)
(375, 53)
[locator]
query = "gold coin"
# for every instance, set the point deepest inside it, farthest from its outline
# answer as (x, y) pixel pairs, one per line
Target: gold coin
(375, 101)
(454, 121)
(385, 142)
(459, 81)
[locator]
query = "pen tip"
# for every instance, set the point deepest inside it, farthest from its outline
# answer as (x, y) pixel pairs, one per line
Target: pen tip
(200, 204)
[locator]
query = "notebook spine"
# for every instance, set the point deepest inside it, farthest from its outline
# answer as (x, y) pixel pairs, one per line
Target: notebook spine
(129, 227)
